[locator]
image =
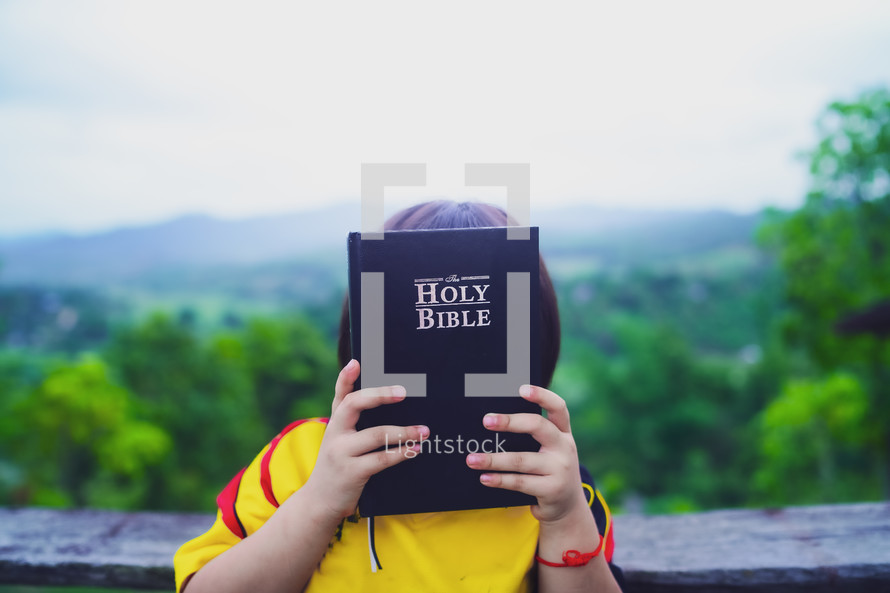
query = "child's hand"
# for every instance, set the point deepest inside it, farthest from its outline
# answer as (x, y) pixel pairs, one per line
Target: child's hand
(347, 457)
(551, 474)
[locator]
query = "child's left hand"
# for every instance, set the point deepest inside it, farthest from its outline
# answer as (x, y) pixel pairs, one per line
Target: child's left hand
(551, 474)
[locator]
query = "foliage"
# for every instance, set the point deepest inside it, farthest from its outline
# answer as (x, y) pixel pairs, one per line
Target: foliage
(78, 430)
(653, 415)
(852, 159)
(695, 380)
(811, 435)
(196, 390)
(54, 319)
(835, 250)
(655, 420)
(288, 357)
(20, 374)
(162, 418)
(835, 257)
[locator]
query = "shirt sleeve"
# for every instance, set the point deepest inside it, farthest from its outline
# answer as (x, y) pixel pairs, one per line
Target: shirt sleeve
(254, 494)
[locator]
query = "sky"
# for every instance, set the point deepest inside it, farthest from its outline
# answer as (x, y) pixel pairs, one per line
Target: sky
(124, 112)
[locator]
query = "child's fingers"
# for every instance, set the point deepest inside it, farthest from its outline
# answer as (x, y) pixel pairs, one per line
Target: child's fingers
(520, 462)
(557, 411)
(377, 461)
(542, 429)
(345, 382)
(353, 403)
(532, 485)
(385, 436)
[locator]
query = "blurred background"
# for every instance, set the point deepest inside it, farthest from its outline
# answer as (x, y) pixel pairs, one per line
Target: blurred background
(712, 183)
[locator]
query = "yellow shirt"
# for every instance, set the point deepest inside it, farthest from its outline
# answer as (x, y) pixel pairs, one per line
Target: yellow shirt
(478, 550)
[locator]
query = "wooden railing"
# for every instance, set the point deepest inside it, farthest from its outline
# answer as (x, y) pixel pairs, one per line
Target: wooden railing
(819, 548)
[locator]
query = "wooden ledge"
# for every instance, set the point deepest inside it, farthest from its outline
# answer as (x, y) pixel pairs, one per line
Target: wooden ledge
(818, 548)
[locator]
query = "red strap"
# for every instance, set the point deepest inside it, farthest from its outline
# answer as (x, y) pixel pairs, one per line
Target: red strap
(574, 557)
(226, 503)
(265, 473)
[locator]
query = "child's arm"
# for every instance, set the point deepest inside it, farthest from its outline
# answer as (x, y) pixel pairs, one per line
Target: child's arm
(552, 476)
(283, 553)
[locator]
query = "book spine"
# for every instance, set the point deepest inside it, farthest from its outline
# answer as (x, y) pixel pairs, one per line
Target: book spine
(354, 297)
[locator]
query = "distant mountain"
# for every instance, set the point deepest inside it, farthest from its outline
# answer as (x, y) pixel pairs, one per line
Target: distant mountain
(627, 237)
(195, 242)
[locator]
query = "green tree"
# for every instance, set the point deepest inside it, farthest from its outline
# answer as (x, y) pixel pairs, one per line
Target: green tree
(835, 250)
(84, 444)
(221, 396)
(20, 374)
(654, 418)
(810, 437)
(292, 367)
(199, 391)
(835, 254)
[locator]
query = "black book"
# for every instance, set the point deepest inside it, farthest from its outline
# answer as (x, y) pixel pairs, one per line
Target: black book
(438, 320)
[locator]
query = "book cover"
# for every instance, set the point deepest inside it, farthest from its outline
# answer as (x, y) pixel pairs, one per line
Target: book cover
(453, 316)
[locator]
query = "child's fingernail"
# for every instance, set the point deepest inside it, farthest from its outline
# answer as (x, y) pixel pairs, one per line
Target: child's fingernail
(398, 391)
(490, 420)
(351, 364)
(485, 478)
(525, 391)
(415, 447)
(424, 431)
(474, 459)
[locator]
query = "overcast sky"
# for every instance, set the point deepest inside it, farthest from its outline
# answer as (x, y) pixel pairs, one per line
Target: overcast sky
(130, 112)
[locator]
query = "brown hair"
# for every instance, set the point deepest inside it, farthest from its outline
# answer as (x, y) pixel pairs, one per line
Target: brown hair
(446, 214)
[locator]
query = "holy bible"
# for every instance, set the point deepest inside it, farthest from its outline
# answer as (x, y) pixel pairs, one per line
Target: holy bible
(453, 315)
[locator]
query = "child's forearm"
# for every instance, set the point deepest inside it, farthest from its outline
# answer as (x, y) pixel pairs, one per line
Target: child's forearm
(576, 531)
(280, 557)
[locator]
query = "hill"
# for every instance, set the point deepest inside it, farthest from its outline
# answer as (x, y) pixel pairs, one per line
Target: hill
(197, 249)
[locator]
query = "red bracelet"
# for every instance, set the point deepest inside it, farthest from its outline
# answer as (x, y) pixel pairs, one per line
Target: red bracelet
(574, 557)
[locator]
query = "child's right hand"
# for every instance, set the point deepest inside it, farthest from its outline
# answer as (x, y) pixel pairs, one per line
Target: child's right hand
(349, 457)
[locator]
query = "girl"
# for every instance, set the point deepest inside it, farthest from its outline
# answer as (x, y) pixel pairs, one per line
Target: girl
(287, 522)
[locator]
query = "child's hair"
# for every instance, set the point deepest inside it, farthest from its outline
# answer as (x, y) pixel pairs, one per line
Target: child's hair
(446, 214)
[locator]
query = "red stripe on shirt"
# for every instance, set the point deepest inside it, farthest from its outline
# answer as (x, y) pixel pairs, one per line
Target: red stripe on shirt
(226, 503)
(265, 474)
